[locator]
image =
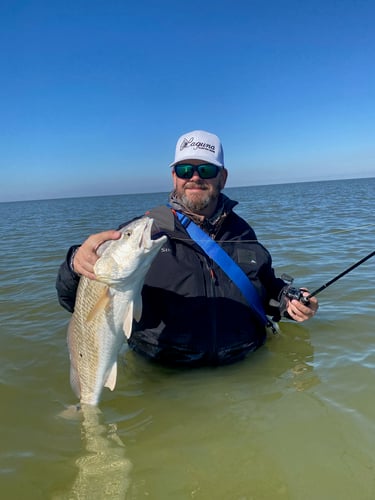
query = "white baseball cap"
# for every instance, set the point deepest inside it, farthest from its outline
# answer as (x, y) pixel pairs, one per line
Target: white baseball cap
(199, 145)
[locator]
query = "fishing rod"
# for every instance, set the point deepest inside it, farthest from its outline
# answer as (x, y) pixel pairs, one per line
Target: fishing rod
(295, 293)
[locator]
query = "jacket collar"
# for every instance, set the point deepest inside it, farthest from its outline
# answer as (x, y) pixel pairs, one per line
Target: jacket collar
(212, 224)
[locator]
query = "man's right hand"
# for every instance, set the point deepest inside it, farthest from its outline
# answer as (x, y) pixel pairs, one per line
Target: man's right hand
(86, 256)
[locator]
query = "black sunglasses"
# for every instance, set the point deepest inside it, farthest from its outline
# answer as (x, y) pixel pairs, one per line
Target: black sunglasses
(205, 170)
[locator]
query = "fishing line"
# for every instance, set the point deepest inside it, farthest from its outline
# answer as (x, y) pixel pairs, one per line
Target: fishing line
(289, 238)
(297, 293)
(326, 285)
(338, 231)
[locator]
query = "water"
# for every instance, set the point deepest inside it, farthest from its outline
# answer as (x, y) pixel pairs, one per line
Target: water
(295, 420)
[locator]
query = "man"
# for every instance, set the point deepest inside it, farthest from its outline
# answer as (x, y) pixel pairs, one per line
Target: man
(193, 313)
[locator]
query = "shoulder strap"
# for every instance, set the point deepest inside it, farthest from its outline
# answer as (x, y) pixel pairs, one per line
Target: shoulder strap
(228, 265)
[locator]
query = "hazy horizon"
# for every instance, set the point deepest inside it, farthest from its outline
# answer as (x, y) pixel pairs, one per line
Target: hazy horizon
(168, 191)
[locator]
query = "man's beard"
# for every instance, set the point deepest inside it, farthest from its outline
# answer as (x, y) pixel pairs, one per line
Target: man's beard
(196, 205)
(200, 202)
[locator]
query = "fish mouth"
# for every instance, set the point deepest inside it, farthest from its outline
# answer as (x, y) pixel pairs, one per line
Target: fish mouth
(158, 235)
(149, 240)
(145, 240)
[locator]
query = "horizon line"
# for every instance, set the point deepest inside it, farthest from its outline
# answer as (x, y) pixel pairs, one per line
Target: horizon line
(168, 191)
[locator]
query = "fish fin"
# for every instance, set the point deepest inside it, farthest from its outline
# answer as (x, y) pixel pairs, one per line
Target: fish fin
(100, 305)
(74, 381)
(74, 374)
(112, 377)
(127, 325)
(137, 308)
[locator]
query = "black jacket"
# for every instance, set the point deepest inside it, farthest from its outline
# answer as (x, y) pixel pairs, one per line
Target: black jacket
(192, 313)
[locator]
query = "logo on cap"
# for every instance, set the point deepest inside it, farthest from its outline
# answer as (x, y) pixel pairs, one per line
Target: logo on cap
(196, 145)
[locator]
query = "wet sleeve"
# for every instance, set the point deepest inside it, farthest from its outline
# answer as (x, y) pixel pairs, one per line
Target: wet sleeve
(67, 283)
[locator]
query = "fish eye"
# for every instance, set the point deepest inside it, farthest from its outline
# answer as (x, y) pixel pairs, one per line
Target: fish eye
(128, 234)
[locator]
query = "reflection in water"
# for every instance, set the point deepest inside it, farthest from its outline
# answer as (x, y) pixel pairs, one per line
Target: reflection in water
(295, 354)
(103, 471)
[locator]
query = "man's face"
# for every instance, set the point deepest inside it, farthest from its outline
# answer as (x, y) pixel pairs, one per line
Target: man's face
(199, 195)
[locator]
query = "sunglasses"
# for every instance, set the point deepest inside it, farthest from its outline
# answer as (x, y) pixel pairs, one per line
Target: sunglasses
(205, 170)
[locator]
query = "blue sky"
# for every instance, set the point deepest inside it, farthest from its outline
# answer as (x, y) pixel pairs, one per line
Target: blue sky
(94, 94)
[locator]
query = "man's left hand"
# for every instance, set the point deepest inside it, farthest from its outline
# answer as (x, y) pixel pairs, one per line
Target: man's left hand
(301, 312)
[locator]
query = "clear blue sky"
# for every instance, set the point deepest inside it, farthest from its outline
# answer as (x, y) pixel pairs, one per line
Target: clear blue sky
(95, 93)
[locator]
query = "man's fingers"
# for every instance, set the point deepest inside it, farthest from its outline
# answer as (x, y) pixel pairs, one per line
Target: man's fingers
(86, 256)
(300, 312)
(98, 239)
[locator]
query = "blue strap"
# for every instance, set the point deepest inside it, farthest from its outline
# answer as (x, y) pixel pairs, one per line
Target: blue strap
(222, 259)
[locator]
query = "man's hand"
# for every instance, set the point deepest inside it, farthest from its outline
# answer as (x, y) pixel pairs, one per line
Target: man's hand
(86, 256)
(301, 312)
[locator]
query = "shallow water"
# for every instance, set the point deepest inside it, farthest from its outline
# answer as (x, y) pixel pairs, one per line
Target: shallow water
(295, 420)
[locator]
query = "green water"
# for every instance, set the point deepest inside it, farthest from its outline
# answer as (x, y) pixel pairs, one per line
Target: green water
(295, 420)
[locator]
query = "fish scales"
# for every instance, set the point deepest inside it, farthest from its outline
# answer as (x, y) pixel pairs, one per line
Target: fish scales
(105, 308)
(94, 343)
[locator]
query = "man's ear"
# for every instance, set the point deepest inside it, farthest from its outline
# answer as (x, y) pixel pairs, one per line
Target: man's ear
(223, 177)
(174, 178)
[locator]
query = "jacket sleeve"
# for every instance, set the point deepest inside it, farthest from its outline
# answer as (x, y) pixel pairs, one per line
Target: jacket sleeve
(67, 283)
(273, 287)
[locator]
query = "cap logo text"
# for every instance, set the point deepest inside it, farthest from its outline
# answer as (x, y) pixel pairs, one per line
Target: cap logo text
(190, 143)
